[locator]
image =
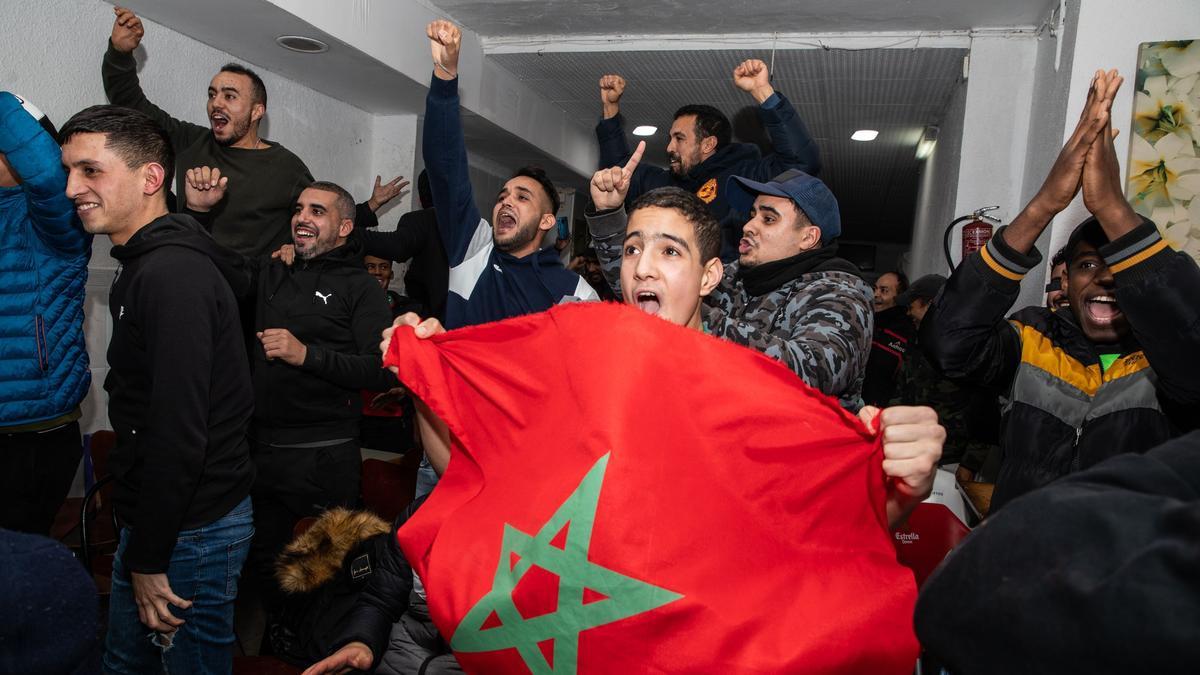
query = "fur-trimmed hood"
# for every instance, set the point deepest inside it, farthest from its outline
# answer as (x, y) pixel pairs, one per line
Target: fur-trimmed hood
(317, 555)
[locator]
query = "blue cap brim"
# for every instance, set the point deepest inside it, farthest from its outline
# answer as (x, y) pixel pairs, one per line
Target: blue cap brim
(740, 193)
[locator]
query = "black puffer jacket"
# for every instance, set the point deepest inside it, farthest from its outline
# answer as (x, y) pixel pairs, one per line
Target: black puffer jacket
(1063, 412)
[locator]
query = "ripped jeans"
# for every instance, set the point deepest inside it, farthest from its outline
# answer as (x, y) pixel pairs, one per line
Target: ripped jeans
(204, 568)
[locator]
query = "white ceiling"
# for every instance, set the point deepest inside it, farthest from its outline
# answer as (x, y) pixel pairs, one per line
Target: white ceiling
(895, 91)
(494, 18)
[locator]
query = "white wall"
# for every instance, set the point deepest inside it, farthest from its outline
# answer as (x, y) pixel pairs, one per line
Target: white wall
(995, 127)
(50, 52)
(1052, 87)
(937, 191)
(1108, 36)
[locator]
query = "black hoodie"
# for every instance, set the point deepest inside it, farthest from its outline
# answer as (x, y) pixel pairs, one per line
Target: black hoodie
(179, 393)
(336, 309)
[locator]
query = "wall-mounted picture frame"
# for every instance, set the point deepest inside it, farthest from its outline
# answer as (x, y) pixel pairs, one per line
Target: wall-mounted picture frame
(1164, 143)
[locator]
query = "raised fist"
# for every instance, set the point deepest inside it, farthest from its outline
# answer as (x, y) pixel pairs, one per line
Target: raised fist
(611, 88)
(127, 30)
(751, 76)
(204, 188)
(445, 40)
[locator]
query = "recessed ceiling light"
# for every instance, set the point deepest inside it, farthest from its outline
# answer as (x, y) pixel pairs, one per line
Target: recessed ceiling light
(864, 135)
(302, 44)
(645, 130)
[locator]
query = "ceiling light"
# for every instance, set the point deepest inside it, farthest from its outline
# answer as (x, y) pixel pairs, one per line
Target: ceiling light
(302, 44)
(928, 140)
(864, 135)
(645, 130)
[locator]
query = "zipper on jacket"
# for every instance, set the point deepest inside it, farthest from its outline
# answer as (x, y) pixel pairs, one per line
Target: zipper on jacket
(1075, 450)
(40, 328)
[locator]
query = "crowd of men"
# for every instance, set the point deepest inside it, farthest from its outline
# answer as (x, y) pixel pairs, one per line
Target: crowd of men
(246, 370)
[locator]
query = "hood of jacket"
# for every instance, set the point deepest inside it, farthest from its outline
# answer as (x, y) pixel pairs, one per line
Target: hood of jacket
(177, 229)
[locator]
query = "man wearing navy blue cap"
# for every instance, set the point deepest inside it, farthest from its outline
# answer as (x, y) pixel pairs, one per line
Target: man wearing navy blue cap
(788, 295)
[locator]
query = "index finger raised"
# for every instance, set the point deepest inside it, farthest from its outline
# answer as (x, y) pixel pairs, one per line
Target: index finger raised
(635, 159)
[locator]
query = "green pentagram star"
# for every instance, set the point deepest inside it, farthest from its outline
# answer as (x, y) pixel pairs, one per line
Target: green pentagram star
(623, 596)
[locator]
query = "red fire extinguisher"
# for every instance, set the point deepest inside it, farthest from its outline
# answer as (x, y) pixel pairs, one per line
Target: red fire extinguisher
(975, 234)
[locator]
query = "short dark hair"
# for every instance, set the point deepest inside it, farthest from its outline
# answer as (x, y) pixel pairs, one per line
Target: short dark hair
(1090, 232)
(901, 280)
(134, 136)
(709, 122)
(344, 202)
(539, 174)
(693, 209)
(1059, 258)
(258, 90)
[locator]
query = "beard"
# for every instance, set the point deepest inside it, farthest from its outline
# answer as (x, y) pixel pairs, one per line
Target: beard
(676, 165)
(519, 239)
(239, 130)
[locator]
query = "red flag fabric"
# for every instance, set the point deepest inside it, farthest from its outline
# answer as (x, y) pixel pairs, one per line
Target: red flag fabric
(627, 495)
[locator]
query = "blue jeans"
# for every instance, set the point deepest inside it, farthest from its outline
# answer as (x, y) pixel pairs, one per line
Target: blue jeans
(204, 568)
(427, 478)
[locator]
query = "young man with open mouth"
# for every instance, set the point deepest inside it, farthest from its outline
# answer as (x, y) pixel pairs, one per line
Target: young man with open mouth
(1116, 370)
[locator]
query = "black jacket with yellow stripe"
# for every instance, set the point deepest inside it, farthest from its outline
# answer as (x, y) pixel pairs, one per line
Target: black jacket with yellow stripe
(1062, 411)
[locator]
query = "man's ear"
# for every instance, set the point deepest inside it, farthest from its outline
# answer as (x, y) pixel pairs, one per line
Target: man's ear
(810, 238)
(548, 222)
(257, 112)
(708, 145)
(345, 228)
(154, 178)
(714, 271)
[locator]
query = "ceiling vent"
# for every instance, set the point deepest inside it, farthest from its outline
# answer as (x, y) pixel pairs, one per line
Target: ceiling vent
(304, 45)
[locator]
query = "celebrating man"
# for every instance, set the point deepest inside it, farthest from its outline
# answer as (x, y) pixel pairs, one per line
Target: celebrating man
(702, 156)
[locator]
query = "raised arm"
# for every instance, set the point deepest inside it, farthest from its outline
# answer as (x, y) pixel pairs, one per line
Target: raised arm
(964, 334)
(414, 232)
(36, 160)
(794, 147)
(444, 147)
(606, 218)
(121, 85)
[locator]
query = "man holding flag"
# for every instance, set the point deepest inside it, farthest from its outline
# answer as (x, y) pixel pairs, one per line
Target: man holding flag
(626, 549)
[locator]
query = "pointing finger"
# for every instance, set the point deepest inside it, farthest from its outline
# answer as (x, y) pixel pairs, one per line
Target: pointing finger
(636, 158)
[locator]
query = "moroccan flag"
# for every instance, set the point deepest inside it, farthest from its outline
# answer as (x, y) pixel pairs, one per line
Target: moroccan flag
(629, 496)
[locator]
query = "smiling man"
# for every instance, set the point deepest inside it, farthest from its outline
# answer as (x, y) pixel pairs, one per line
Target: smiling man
(179, 400)
(317, 324)
(788, 295)
(1114, 372)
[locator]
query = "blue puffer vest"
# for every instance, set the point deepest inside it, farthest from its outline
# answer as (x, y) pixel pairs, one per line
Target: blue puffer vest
(44, 254)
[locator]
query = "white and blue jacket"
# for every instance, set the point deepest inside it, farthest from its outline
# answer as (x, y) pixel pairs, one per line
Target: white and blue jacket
(485, 284)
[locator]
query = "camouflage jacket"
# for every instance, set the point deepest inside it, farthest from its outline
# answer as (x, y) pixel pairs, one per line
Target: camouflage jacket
(818, 324)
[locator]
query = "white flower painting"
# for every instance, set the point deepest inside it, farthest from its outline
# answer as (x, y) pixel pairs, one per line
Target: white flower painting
(1164, 148)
